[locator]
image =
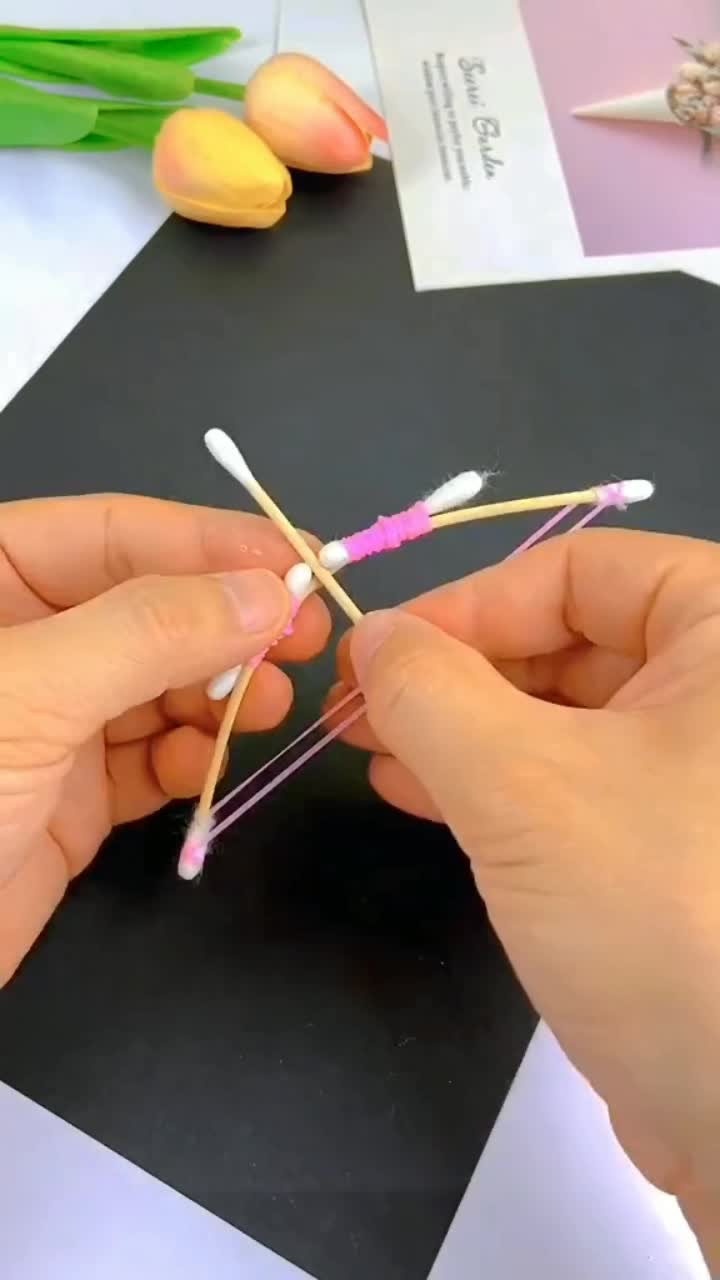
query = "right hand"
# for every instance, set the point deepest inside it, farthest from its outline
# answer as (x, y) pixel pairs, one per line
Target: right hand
(561, 712)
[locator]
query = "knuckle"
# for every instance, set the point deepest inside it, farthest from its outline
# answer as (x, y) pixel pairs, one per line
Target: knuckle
(410, 676)
(162, 616)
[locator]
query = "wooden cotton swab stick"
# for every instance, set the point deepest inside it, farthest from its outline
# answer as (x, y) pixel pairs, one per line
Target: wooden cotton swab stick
(207, 794)
(298, 581)
(627, 492)
(195, 845)
(226, 452)
(298, 588)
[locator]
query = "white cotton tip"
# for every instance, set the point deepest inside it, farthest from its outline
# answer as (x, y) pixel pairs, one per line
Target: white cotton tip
(194, 850)
(223, 684)
(651, 107)
(333, 556)
(457, 492)
(300, 582)
(637, 490)
(225, 451)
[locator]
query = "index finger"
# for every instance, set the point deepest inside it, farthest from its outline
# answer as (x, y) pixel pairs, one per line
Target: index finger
(620, 590)
(67, 550)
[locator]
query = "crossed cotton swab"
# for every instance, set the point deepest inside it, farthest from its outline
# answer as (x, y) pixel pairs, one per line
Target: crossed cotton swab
(246, 805)
(388, 533)
(300, 580)
(226, 452)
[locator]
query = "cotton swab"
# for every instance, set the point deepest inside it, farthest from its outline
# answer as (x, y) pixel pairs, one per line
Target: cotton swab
(226, 452)
(624, 493)
(194, 849)
(391, 532)
(300, 583)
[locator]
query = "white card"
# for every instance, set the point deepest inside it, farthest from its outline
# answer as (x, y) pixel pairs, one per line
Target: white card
(483, 170)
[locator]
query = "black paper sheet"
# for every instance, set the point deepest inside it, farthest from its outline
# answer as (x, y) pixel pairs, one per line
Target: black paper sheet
(315, 1042)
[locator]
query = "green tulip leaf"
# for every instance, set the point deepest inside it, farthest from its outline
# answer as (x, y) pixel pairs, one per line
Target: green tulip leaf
(31, 118)
(8, 68)
(163, 42)
(107, 69)
(187, 48)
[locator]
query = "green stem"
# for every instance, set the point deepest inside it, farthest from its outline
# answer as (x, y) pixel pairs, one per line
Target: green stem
(219, 88)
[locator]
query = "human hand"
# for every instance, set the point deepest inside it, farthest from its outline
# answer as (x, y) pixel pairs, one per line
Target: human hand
(113, 615)
(561, 712)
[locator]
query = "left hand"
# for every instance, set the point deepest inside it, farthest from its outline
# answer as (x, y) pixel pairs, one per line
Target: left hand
(114, 612)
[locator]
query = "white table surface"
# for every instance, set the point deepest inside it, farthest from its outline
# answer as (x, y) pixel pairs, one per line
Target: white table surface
(553, 1196)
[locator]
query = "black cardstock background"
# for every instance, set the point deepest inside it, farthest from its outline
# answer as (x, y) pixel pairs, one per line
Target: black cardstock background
(315, 1042)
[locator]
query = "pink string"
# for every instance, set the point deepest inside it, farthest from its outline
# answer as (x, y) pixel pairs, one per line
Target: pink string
(591, 515)
(389, 533)
(289, 770)
(317, 724)
(612, 498)
(259, 658)
(541, 532)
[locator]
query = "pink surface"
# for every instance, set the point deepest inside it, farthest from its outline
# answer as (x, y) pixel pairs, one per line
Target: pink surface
(635, 188)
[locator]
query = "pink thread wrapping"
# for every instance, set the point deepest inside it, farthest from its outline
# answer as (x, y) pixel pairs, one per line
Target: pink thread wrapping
(259, 658)
(389, 533)
(612, 496)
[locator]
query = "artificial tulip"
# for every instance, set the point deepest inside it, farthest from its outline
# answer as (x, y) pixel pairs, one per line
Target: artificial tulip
(310, 118)
(210, 167)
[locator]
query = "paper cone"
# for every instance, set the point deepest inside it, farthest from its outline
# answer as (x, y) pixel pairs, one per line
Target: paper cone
(651, 108)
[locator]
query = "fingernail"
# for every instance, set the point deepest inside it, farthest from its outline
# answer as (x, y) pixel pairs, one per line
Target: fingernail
(336, 692)
(334, 695)
(369, 636)
(261, 602)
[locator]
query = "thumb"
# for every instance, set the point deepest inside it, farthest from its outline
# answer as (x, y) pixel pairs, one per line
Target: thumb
(89, 664)
(445, 713)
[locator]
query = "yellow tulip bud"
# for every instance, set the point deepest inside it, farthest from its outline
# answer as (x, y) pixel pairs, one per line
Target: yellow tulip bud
(310, 118)
(210, 167)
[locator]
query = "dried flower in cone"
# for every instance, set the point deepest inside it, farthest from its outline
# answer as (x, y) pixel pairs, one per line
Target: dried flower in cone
(692, 99)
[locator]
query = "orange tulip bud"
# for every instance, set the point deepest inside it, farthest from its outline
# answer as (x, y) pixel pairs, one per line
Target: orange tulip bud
(210, 167)
(310, 118)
